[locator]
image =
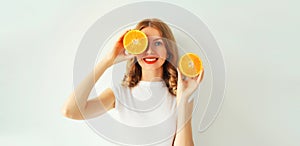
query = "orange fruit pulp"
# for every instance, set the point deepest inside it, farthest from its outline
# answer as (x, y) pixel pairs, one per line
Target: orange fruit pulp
(135, 42)
(190, 65)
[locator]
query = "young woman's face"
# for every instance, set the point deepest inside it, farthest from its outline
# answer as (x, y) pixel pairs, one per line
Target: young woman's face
(156, 53)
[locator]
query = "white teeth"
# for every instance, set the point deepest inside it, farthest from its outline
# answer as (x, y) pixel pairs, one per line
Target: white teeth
(147, 59)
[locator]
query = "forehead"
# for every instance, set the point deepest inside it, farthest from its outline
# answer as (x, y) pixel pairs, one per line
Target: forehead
(151, 32)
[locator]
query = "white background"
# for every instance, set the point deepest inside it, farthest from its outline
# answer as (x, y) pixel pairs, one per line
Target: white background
(259, 40)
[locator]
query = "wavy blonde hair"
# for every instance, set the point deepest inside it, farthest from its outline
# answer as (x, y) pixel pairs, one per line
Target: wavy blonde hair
(134, 71)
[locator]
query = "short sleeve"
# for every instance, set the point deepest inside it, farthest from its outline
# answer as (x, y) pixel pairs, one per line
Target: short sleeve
(118, 91)
(115, 88)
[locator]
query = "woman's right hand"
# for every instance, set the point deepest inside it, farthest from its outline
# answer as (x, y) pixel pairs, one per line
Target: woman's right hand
(118, 53)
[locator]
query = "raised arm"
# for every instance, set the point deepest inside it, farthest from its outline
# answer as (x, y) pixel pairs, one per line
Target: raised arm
(185, 88)
(77, 105)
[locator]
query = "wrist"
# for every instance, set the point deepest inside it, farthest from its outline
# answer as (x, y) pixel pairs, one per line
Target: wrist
(184, 114)
(182, 99)
(184, 108)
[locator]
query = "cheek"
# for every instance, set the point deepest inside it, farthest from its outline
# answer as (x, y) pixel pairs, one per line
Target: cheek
(139, 60)
(162, 53)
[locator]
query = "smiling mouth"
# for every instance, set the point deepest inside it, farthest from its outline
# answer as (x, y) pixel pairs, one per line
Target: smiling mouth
(150, 60)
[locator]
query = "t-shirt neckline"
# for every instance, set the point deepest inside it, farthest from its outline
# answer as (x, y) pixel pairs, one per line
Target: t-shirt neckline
(152, 83)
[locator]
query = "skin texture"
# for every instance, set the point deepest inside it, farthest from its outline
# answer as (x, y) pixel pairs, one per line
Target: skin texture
(156, 48)
(79, 107)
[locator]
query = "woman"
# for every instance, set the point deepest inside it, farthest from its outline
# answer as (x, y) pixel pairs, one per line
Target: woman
(155, 70)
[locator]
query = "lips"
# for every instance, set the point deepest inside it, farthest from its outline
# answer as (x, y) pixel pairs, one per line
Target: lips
(150, 60)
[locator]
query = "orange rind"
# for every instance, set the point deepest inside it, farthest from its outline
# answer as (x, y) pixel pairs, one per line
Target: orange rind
(190, 65)
(135, 42)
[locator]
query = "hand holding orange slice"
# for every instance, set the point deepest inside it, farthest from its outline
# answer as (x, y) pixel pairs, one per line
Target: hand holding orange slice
(135, 42)
(190, 65)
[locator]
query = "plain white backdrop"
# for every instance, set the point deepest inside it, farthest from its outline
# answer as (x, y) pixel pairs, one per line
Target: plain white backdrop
(259, 41)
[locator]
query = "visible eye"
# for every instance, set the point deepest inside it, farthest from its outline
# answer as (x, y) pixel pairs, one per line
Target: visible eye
(158, 43)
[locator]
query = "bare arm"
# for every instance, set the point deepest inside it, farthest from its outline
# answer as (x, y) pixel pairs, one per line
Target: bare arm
(184, 127)
(185, 88)
(77, 105)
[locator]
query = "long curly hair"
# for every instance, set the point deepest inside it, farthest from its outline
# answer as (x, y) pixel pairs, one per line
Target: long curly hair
(134, 71)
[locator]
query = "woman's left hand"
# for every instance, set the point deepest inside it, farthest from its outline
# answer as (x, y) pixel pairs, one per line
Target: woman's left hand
(186, 87)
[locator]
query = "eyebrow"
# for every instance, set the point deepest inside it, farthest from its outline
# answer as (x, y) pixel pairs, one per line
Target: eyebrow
(157, 39)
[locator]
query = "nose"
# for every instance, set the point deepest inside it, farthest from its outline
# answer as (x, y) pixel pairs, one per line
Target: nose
(149, 49)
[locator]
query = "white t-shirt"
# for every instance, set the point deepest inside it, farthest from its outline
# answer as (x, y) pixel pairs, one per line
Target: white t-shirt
(149, 109)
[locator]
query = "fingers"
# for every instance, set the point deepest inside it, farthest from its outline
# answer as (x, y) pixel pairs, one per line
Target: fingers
(129, 56)
(182, 77)
(122, 37)
(200, 76)
(120, 40)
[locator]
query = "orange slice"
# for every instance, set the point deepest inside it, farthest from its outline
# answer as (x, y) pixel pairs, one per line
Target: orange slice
(135, 42)
(190, 65)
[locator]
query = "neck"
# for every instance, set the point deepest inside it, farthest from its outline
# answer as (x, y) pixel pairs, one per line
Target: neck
(152, 75)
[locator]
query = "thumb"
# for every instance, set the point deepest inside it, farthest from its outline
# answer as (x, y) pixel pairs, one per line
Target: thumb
(129, 56)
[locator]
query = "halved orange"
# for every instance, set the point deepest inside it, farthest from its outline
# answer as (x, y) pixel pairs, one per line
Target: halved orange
(135, 42)
(190, 64)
